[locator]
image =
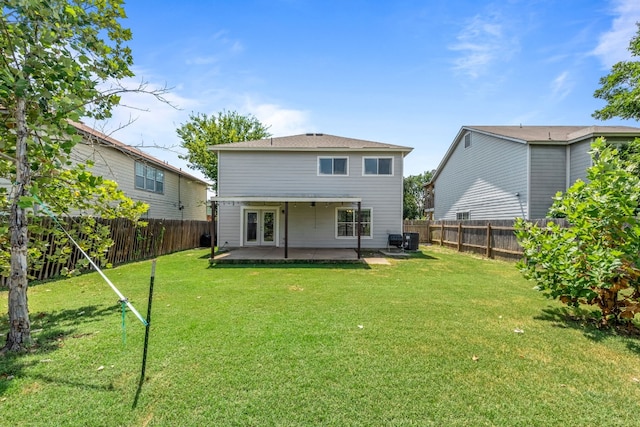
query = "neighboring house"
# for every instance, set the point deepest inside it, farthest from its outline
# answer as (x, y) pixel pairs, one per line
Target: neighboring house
(504, 172)
(169, 192)
(305, 191)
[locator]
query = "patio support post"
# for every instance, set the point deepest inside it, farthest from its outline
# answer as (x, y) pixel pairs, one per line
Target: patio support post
(359, 226)
(286, 230)
(212, 232)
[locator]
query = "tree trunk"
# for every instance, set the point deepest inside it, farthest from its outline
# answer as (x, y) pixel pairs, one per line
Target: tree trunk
(19, 336)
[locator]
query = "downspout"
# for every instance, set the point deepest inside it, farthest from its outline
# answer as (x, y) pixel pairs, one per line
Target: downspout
(528, 201)
(180, 207)
(567, 172)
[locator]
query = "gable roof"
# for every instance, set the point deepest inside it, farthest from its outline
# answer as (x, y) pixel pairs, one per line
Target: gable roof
(546, 134)
(131, 151)
(557, 135)
(311, 142)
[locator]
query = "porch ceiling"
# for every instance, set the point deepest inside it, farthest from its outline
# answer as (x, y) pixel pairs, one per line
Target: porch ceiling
(300, 199)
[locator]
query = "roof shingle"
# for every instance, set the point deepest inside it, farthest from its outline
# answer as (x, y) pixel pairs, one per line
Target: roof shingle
(309, 141)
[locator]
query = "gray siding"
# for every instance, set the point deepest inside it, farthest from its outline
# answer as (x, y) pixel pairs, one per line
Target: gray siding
(119, 167)
(547, 177)
(296, 174)
(580, 160)
(483, 179)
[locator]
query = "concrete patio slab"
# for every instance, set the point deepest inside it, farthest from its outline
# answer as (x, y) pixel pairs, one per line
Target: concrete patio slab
(377, 261)
(272, 254)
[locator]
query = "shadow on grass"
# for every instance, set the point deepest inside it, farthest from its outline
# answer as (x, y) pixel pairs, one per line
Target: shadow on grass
(420, 255)
(584, 321)
(49, 331)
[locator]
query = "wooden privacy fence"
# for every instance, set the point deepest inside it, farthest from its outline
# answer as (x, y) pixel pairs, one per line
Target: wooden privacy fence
(130, 242)
(489, 238)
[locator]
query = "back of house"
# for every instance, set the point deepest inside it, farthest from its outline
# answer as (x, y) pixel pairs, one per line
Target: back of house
(309, 189)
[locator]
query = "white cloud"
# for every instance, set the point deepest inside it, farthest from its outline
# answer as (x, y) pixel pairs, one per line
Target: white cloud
(281, 121)
(613, 44)
(482, 42)
(143, 121)
(561, 86)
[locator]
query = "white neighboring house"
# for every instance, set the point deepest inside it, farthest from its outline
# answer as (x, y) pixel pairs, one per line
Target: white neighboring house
(304, 191)
(170, 192)
(504, 172)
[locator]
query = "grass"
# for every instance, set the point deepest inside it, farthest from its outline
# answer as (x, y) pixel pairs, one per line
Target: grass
(424, 341)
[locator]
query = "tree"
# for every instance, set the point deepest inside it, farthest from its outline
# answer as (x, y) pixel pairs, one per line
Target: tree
(202, 131)
(413, 195)
(621, 87)
(595, 261)
(54, 67)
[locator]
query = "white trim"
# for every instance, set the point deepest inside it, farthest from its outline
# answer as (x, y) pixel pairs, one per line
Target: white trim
(337, 208)
(332, 158)
(378, 158)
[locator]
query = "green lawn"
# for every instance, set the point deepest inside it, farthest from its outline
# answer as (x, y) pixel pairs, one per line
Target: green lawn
(424, 341)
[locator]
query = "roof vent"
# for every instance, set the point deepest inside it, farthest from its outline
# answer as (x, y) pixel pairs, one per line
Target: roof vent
(309, 134)
(319, 134)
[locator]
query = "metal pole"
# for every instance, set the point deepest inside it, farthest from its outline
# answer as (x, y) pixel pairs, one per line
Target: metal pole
(286, 230)
(146, 333)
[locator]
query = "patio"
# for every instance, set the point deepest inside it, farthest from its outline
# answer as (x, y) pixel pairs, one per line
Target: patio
(270, 254)
(250, 255)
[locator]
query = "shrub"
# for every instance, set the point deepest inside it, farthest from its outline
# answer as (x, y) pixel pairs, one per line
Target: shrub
(595, 260)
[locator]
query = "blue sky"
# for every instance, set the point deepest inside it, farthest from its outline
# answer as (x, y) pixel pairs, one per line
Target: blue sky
(402, 72)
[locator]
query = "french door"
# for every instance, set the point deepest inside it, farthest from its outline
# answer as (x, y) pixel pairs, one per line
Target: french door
(260, 227)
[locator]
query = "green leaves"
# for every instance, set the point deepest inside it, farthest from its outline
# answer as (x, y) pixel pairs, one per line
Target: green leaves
(414, 196)
(202, 131)
(621, 87)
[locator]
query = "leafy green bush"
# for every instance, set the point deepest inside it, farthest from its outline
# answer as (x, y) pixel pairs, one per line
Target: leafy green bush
(595, 260)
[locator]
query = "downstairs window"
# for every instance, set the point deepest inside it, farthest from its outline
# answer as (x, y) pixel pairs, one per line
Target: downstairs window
(347, 222)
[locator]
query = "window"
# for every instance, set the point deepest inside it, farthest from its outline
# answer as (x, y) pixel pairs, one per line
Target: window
(149, 178)
(347, 222)
(461, 216)
(467, 140)
(333, 166)
(378, 166)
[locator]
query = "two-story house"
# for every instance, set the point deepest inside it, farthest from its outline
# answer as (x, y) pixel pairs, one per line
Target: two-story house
(504, 172)
(309, 191)
(170, 192)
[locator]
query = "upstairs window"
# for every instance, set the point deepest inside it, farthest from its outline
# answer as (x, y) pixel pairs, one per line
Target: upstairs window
(149, 178)
(467, 140)
(333, 165)
(378, 166)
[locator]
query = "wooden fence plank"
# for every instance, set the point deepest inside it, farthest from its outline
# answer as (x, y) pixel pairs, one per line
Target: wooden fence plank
(130, 242)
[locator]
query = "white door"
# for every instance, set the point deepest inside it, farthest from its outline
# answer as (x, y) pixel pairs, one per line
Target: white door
(260, 227)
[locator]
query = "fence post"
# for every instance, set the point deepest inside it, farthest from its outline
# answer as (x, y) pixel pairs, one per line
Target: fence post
(459, 236)
(488, 240)
(441, 233)
(428, 232)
